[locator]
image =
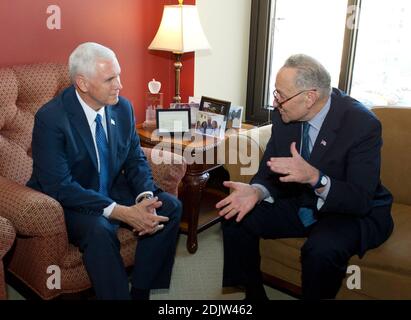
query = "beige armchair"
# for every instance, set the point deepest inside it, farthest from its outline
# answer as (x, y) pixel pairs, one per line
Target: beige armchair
(386, 270)
(7, 235)
(38, 219)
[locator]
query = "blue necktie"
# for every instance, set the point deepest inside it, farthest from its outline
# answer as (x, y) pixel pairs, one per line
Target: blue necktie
(103, 153)
(306, 214)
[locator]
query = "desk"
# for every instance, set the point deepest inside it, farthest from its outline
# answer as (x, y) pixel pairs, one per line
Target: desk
(201, 154)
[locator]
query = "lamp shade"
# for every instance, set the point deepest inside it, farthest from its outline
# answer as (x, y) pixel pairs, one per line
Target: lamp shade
(180, 31)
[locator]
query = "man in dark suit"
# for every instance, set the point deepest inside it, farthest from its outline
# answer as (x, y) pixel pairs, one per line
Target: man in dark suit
(87, 156)
(319, 178)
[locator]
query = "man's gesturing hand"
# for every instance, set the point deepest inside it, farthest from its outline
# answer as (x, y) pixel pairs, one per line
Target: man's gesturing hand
(294, 169)
(242, 200)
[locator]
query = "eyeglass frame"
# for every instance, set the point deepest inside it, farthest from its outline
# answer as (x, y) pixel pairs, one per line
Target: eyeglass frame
(280, 104)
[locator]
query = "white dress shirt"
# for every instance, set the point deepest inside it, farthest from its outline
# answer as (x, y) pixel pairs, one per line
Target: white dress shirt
(91, 115)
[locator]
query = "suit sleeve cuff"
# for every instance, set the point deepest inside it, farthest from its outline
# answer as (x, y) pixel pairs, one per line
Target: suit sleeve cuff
(108, 210)
(266, 196)
(323, 195)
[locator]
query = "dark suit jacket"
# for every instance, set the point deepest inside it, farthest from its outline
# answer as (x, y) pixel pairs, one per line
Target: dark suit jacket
(65, 160)
(347, 150)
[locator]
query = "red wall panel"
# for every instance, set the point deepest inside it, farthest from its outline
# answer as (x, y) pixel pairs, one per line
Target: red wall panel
(126, 26)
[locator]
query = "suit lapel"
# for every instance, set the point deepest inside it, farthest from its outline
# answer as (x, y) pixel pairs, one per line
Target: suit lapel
(289, 133)
(112, 135)
(328, 132)
(79, 121)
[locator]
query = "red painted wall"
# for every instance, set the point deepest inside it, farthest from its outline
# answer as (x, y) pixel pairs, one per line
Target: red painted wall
(126, 26)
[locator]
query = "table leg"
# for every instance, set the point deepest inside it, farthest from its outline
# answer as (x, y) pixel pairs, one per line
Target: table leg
(193, 186)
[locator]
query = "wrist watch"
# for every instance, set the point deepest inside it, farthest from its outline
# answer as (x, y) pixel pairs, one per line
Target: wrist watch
(322, 181)
(144, 195)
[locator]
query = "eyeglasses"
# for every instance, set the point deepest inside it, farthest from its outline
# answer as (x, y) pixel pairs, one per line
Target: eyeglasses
(280, 104)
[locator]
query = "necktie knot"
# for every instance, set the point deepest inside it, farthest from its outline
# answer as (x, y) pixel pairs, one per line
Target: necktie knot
(305, 143)
(306, 128)
(98, 119)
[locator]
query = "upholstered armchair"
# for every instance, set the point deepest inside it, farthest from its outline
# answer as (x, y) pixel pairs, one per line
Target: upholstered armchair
(41, 239)
(7, 236)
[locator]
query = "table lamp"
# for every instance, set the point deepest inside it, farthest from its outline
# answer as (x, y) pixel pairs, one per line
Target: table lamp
(180, 31)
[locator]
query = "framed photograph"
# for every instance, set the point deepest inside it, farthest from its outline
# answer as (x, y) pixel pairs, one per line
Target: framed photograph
(235, 117)
(210, 124)
(179, 106)
(173, 120)
(193, 106)
(215, 106)
(194, 100)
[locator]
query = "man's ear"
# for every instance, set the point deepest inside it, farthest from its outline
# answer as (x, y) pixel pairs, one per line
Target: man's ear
(81, 83)
(312, 97)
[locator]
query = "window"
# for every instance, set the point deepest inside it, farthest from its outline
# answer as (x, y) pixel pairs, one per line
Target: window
(300, 26)
(382, 68)
(363, 43)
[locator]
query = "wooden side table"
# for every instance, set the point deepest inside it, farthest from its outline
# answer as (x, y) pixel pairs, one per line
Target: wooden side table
(200, 153)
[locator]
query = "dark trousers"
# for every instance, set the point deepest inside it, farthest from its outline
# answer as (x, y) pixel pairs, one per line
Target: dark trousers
(97, 239)
(331, 242)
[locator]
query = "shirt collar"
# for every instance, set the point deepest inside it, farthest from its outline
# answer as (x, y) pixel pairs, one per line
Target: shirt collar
(319, 118)
(91, 114)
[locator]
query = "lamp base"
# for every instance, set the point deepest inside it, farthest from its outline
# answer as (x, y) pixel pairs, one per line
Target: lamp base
(177, 66)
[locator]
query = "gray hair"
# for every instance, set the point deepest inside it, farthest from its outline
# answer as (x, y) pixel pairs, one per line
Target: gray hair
(83, 59)
(310, 74)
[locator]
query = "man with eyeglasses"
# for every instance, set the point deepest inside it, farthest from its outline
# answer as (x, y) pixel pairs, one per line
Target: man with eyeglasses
(319, 178)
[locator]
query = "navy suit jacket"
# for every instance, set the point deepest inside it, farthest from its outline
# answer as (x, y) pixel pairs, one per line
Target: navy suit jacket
(347, 150)
(65, 160)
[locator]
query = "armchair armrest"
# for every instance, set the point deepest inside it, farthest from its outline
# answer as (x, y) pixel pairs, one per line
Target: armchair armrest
(31, 213)
(243, 153)
(7, 235)
(168, 169)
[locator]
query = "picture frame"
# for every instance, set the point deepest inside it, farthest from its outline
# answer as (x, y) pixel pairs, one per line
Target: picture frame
(235, 117)
(216, 106)
(173, 121)
(193, 106)
(210, 124)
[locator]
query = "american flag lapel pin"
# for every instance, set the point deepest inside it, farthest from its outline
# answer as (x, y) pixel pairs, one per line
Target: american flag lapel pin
(113, 122)
(323, 143)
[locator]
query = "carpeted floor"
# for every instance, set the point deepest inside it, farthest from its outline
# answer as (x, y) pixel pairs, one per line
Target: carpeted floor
(199, 276)
(196, 276)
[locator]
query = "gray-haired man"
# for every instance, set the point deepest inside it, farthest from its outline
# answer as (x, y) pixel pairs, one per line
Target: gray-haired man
(87, 155)
(319, 178)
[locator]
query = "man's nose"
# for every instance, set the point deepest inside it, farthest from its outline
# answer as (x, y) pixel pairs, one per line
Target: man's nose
(118, 84)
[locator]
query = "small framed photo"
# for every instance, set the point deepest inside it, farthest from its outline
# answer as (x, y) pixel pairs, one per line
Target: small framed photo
(179, 106)
(193, 106)
(235, 117)
(173, 120)
(210, 124)
(215, 106)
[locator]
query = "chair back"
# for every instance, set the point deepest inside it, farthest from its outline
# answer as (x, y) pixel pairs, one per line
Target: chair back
(396, 151)
(23, 90)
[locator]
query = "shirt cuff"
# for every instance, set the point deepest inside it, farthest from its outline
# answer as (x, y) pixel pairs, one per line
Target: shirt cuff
(266, 194)
(108, 210)
(323, 195)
